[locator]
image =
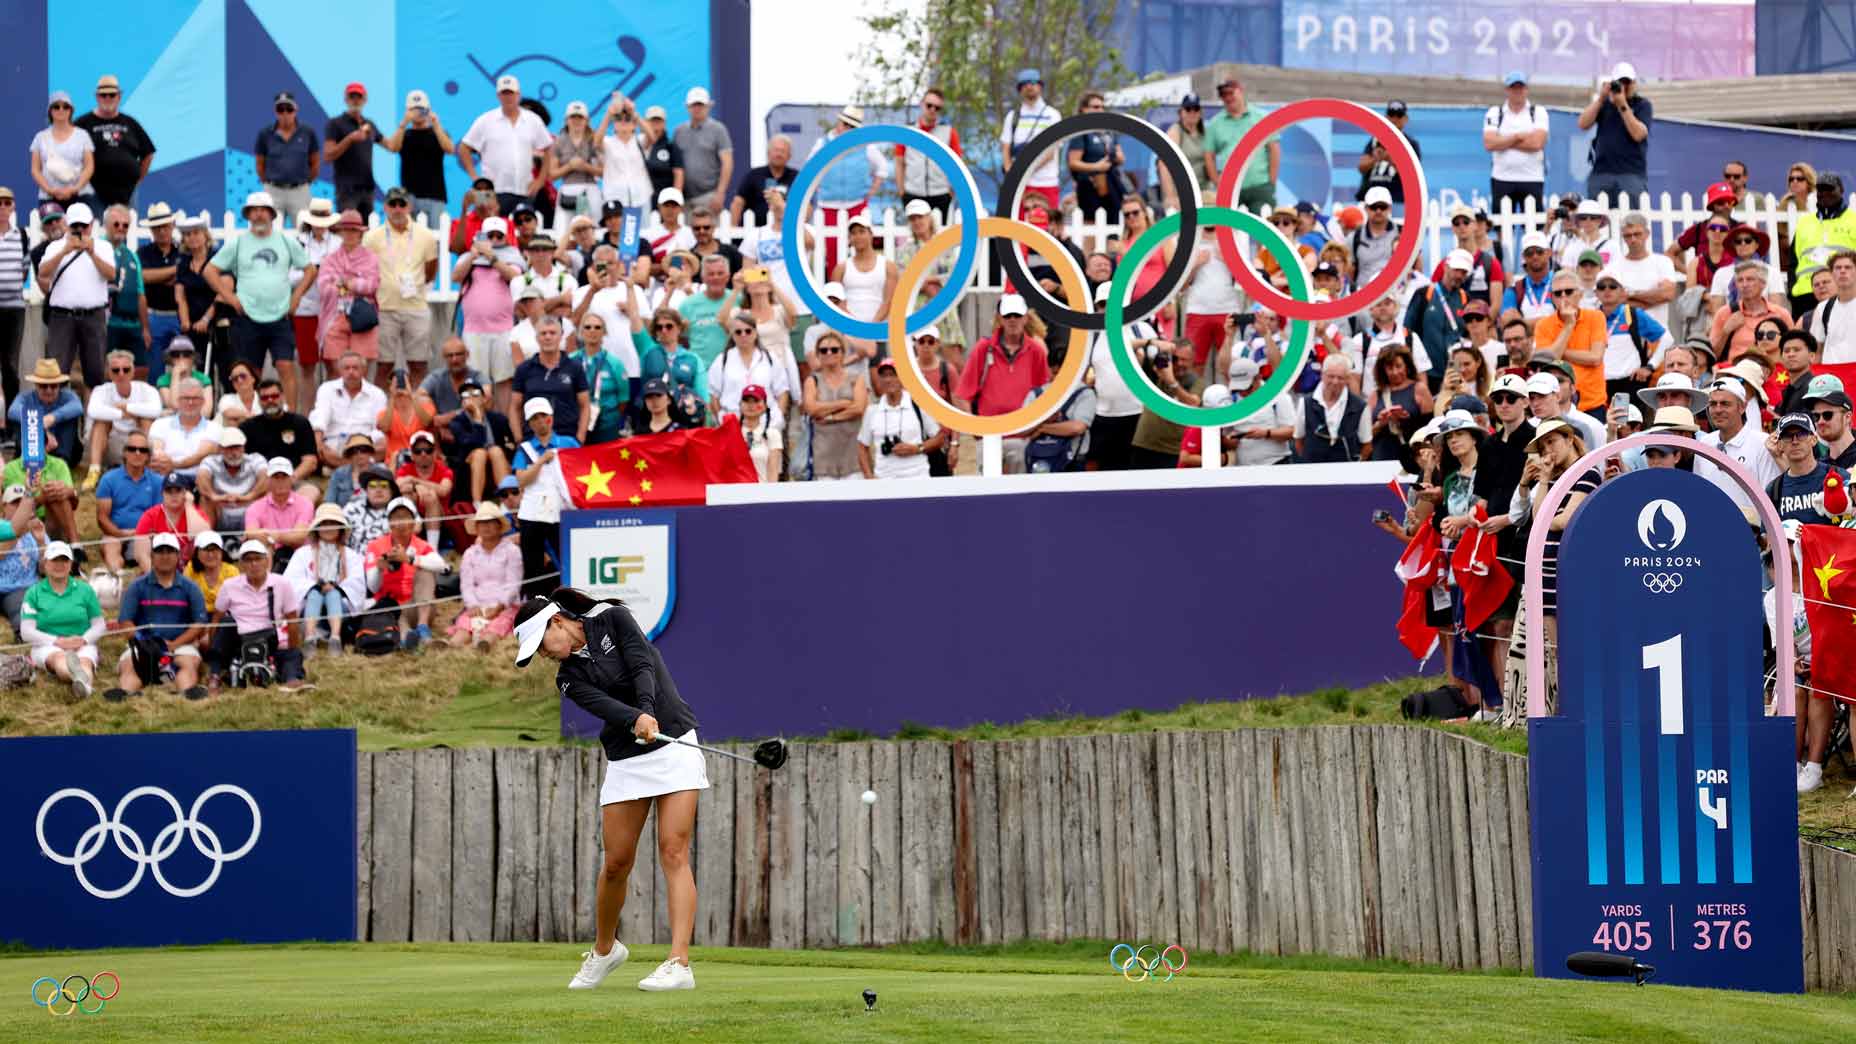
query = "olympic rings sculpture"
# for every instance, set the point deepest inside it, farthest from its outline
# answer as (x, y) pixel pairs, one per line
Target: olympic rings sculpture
(148, 856)
(1662, 583)
(1300, 308)
(61, 993)
(1148, 968)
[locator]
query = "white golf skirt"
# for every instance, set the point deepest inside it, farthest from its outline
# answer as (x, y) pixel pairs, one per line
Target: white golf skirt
(666, 770)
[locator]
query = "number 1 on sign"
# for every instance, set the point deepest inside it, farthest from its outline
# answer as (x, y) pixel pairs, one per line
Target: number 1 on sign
(1665, 657)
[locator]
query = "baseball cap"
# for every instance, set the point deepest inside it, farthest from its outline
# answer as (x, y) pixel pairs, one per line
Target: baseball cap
(1543, 384)
(1476, 306)
(1624, 71)
(508, 83)
(656, 386)
(1011, 304)
(279, 466)
(357, 87)
(164, 540)
(615, 208)
(376, 473)
(1558, 367)
(51, 212)
(283, 98)
(1467, 403)
(1028, 76)
(530, 292)
(536, 406)
(417, 100)
(13, 492)
(1462, 210)
(1720, 192)
(231, 437)
(1395, 108)
(79, 214)
(834, 291)
(209, 539)
(1588, 208)
(1378, 194)
(398, 194)
(483, 183)
(696, 96)
(1535, 239)
(422, 436)
(576, 108)
(401, 503)
(181, 345)
(176, 480)
(755, 391)
(1731, 385)
(1190, 101)
(523, 210)
(1305, 207)
(1514, 76)
(254, 546)
(1828, 388)
(1460, 260)
(1326, 268)
(670, 195)
(917, 206)
(1831, 178)
(1590, 257)
(857, 219)
(495, 224)
(655, 112)
(1512, 383)
(1800, 421)
(59, 549)
(509, 482)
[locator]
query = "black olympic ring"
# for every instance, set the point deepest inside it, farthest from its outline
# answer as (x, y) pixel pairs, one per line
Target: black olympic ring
(1166, 154)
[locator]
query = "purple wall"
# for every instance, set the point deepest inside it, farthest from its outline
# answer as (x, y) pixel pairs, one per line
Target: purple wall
(798, 618)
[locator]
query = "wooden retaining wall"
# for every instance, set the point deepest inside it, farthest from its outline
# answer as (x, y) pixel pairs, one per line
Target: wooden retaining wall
(1364, 841)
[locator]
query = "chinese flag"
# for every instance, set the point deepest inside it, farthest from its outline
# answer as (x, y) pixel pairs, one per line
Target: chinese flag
(1846, 372)
(674, 467)
(1417, 567)
(1829, 554)
(1485, 584)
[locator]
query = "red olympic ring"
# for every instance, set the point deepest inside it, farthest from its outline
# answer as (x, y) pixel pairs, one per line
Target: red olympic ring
(1411, 174)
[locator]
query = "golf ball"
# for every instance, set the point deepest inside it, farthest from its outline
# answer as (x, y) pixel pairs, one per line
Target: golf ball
(869, 797)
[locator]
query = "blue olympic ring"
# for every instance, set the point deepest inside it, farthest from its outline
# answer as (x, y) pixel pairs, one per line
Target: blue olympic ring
(966, 196)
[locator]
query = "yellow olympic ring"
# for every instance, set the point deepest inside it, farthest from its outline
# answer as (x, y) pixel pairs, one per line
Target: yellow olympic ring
(1051, 400)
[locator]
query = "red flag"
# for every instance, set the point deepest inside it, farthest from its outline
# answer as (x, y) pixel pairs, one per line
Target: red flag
(1829, 554)
(1397, 491)
(1485, 584)
(675, 467)
(1417, 567)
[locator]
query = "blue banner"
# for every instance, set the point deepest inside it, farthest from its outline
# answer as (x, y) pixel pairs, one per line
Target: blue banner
(1665, 816)
(155, 839)
(32, 441)
(628, 234)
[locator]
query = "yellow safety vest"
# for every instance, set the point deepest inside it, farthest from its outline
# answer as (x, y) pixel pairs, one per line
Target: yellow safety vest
(1811, 232)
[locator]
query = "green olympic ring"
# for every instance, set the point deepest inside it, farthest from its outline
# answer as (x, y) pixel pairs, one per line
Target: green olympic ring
(1152, 397)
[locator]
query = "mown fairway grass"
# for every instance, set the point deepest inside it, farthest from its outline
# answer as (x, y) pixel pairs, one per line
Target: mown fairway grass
(514, 991)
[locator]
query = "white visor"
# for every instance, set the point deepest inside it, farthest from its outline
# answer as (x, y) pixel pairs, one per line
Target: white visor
(530, 631)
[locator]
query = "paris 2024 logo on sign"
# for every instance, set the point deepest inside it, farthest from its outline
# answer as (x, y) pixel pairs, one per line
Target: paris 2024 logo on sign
(1661, 525)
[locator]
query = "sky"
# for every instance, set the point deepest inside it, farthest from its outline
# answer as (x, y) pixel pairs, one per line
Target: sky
(802, 54)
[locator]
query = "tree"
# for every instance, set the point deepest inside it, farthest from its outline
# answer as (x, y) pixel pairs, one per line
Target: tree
(972, 50)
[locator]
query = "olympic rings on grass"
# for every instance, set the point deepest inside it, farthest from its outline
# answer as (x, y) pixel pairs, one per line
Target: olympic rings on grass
(1148, 968)
(86, 990)
(1051, 399)
(966, 196)
(1153, 398)
(1411, 175)
(1166, 153)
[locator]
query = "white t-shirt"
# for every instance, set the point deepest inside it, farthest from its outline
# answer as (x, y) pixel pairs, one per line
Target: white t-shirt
(316, 249)
(542, 499)
(1609, 251)
(1749, 448)
(506, 151)
(1723, 283)
(1212, 290)
(1514, 164)
(883, 420)
(618, 342)
(107, 404)
(763, 442)
(1643, 274)
(625, 178)
(1029, 122)
(62, 162)
(1838, 336)
(170, 436)
(1280, 413)
(1113, 399)
(728, 377)
(79, 284)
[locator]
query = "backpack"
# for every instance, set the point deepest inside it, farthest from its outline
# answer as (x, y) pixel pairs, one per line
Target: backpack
(151, 659)
(252, 664)
(375, 632)
(1047, 453)
(1443, 703)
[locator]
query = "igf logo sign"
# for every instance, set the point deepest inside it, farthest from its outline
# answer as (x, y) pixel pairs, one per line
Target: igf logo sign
(614, 569)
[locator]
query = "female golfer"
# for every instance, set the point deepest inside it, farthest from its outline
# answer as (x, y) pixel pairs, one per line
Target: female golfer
(609, 668)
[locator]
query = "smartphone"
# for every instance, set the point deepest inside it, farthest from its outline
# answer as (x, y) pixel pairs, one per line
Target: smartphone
(1620, 402)
(1382, 515)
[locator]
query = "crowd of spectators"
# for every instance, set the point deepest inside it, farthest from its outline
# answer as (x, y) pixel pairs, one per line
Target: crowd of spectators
(272, 448)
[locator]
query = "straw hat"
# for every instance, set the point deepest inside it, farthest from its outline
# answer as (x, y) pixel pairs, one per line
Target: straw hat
(329, 513)
(488, 512)
(321, 214)
(46, 371)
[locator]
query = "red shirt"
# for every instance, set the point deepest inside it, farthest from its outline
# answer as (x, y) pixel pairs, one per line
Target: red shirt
(440, 470)
(395, 583)
(1008, 381)
(155, 520)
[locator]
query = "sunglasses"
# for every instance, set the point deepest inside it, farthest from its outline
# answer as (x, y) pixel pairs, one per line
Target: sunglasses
(702, 228)
(285, 108)
(1504, 398)
(1822, 416)
(663, 326)
(1799, 177)
(1380, 206)
(106, 94)
(1766, 335)
(270, 398)
(833, 350)
(61, 105)
(1459, 221)
(1717, 228)
(122, 369)
(496, 235)
(931, 106)
(135, 449)
(423, 451)
(1745, 241)
(1733, 177)
(742, 331)
(1567, 292)
(1609, 285)
(393, 203)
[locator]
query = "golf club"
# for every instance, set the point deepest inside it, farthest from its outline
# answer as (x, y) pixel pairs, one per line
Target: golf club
(1609, 965)
(768, 754)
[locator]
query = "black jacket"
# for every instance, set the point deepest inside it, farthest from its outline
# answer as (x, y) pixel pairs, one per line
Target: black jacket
(618, 676)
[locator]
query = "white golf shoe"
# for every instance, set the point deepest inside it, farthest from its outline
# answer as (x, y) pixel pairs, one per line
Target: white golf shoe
(595, 968)
(669, 976)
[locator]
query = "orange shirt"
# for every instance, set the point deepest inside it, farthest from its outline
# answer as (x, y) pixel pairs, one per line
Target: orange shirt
(1588, 334)
(1742, 338)
(399, 430)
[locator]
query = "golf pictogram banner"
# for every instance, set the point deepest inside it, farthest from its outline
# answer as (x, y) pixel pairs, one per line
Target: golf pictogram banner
(1665, 816)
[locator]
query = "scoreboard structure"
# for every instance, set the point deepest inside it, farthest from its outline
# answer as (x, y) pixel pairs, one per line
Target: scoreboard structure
(1663, 798)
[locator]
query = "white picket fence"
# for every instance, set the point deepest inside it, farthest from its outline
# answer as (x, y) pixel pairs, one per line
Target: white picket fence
(1667, 216)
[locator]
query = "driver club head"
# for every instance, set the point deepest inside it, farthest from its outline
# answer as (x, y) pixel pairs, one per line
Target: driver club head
(770, 754)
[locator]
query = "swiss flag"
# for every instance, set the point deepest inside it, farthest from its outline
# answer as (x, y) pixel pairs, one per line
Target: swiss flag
(1829, 554)
(1418, 567)
(675, 467)
(1485, 584)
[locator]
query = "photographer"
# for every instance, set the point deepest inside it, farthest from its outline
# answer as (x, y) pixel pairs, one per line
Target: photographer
(1156, 439)
(404, 569)
(262, 607)
(1621, 149)
(897, 436)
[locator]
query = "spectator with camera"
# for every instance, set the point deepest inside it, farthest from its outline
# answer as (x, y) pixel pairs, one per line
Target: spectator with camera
(1621, 148)
(61, 620)
(896, 436)
(482, 445)
(258, 638)
(167, 613)
(403, 570)
(330, 577)
(1267, 437)
(1157, 440)
(483, 273)
(426, 481)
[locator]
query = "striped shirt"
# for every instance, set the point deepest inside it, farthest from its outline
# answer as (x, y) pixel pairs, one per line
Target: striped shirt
(13, 261)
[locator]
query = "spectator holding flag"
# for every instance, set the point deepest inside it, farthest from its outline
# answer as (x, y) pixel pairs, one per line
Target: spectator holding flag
(543, 494)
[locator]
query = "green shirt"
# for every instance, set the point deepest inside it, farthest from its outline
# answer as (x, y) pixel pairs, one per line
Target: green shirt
(167, 378)
(707, 336)
(126, 293)
(61, 615)
(262, 269)
(605, 376)
(55, 470)
(1221, 136)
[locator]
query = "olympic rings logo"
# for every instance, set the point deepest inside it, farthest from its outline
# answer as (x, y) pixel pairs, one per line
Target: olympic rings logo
(61, 993)
(1300, 308)
(1662, 583)
(1136, 968)
(148, 857)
